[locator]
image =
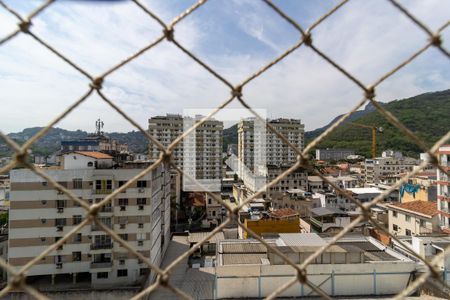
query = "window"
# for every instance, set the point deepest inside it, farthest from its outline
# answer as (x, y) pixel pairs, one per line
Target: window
(123, 203)
(77, 183)
(141, 201)
(143, 271)
(90, 164)
(407, 218)
(408, 232)
(76, 219)
(123, 220)
(60, 203)
(76, 256)
(124, 236)
(394, 214)
(140, 236)
(121, 182)
(77, 238)
(122, 273)
(423, 223)
(141, 184)
(60, 222)
(102, 275)
(395, 227)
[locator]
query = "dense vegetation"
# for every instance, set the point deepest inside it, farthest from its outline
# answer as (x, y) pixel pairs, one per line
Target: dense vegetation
(427, 115)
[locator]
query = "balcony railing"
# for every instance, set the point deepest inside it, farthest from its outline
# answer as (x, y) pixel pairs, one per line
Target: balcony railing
(101, 264)
(103, 192)
(95, 227)
(106, 209)
(101, 246)
(425, 230)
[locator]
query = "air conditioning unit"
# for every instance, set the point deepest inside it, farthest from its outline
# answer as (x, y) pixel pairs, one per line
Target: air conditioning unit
(123, 207)
(140, 243)
(141, 190)
(122, 262)
(122, 226)
(141, 207)
(59, 265)
(59, 227)
(60, 193)
(60, 209)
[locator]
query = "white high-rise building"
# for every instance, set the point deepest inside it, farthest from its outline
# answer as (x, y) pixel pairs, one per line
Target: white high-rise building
(40, 216)
(205, 157)
(443, 188)
(277, 152)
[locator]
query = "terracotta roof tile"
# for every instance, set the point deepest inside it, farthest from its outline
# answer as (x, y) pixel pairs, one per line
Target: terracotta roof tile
(421, 207)
(94, 154)
(283, 212)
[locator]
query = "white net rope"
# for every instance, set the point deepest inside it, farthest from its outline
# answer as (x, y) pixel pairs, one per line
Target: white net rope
(17, 278)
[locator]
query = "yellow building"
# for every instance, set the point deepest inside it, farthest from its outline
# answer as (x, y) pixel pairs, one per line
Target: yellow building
(421, 187)
(285, 220)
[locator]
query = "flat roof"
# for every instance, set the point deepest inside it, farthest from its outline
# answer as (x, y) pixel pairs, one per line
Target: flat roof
(324, 211)
(366, 190)
(302, 239)
(195, 237)
(93, 154)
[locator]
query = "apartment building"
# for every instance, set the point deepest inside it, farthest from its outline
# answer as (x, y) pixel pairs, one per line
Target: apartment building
(443, 188)
(390, 164)
(200, 154)
(333, 154)
(40, 216)
(276, 151)
(297, 179)
(413, 218)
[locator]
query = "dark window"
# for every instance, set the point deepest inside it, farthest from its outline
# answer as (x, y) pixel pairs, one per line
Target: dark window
(143, 271)
(102, 275)
(141, 184)
(395, 227)
(77, 183)
(90, 164)
(408, 232)
(76, 219)
(123, 202)
(394, 213)
(60, 222)
(124, 236)
(77, 238)
(141, 201)
(76, 256)
(122, 273)
(121, 182)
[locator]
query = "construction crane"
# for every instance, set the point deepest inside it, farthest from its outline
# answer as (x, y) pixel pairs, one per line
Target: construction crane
(374, 135)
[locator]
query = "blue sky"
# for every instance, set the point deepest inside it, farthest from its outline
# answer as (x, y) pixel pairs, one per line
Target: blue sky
(234, 37)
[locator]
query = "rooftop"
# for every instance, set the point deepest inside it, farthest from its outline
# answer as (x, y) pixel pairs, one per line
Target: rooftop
(325, 211)
(419, 207)
(366, 190)
(195, 237)
(94, 154)
(283, 213)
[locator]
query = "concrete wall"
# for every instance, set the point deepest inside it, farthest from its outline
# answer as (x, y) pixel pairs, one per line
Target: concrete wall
(336, 280)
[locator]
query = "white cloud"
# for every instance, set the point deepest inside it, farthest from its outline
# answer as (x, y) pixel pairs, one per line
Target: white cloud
(368, 38)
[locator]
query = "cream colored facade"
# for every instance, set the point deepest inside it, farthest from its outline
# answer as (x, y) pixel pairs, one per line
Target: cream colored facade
(403, 222)
(40, 215)
(388, 166)
(443, 189)
(208, 143)
(277, 152)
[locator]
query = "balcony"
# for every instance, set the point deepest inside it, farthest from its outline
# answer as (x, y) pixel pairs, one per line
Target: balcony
(106, 209)
(103, 191)
(425, 230)
(101, 246)
(95, 227)
(101, 264)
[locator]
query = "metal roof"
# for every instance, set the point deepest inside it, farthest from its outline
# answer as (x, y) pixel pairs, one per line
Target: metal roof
(195, 237)
(239, 247)
(324, 211)
(239, 259)
(302, 239)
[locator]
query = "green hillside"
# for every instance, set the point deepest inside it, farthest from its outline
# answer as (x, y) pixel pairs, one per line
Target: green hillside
(427, 115)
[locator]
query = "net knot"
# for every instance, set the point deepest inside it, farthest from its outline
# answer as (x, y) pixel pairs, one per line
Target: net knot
(237, 91)
(25, 26)
(369, 92)
(436, 40)
(307, 38)
(97, 83)
(301, 276)
(168, 33)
